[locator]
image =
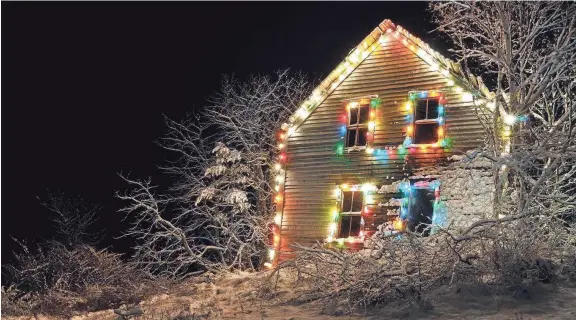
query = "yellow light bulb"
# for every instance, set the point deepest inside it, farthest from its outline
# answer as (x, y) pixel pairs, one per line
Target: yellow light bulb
(332, 229)
(445, 72)
(280, 146)
(278, 219)
(334, 214)
(277, 167)
(509, 119)
(291, 131)
(337, 192)
(271, 254)
(302, 113)
(408, 106)
(369, 150)
(450, 83)
(367, 187)
(371, 125)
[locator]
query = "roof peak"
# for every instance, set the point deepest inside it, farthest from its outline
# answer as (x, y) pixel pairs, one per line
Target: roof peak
(386, 29)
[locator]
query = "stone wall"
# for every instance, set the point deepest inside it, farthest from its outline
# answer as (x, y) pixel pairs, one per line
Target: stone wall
(466, 191)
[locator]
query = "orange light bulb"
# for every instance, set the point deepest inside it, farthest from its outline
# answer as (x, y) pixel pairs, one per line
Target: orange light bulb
(440, 132)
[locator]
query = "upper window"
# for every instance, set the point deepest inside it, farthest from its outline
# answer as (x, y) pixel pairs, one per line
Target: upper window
(351, 210)
(357, 126)
(426, 119)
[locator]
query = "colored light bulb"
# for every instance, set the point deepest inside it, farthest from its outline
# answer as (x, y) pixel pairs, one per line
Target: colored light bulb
(509, 119)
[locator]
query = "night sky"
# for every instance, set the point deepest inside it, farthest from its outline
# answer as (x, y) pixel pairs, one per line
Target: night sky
(84, 85)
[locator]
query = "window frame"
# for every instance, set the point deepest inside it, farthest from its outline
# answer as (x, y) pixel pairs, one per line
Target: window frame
(357, 126)
(440, 121)
(408, 199)
(353, 190)
(368, 127)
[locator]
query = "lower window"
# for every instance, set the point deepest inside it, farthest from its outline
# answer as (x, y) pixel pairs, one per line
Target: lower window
(351, 214)
(421, 210)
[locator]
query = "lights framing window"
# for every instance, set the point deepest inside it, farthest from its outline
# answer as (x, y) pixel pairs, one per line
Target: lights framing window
(351, 214)
(353, 202)
(357, 125)
(420, 207)
(425, 119)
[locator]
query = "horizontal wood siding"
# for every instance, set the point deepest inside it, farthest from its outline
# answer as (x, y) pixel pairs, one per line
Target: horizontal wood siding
(314, 169)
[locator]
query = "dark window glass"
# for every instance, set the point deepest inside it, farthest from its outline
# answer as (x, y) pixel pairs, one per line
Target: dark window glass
(347, 201)
(426, 109)
(353, 116)
(358, 201)
(425, 133)
(350, 226)
(364, 114)
(351, 141)
(420, 110)
(352, 201)
(362, 137)
(432, 108)
(421, 210)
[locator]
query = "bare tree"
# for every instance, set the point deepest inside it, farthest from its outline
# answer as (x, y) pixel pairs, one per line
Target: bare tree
(216, 214)
(74, 218)
(526, 51)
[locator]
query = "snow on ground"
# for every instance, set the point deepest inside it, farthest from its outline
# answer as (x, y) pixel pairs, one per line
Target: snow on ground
(236, 297)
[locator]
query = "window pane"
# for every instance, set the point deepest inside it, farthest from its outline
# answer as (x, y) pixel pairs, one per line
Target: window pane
(357, 201)
(362, 136)
(420, 110)
(351, 138)
(353, 116)
(425, 133)
(347, 201)
(344, 231)
(433, 108)
(349, 226)
(364, 114)
(421, 210)
(355, 226)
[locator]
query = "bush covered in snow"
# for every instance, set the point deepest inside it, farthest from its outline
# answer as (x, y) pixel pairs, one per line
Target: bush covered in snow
(57, 280)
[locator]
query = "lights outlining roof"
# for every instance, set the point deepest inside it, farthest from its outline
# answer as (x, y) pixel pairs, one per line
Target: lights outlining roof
(381, 34)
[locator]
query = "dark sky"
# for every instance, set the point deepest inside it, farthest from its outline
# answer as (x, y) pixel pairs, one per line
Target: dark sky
(84, 85)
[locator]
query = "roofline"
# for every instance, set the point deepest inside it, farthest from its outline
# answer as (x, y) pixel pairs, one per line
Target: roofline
(437, 62)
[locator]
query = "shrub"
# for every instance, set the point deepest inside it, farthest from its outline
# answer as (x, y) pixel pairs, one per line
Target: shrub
(57, 280)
